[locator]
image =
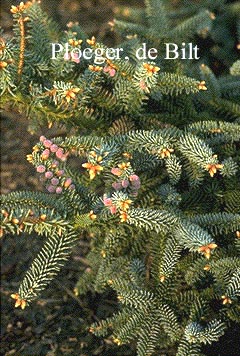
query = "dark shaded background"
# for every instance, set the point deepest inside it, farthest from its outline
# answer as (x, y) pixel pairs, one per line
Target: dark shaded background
(92, 15)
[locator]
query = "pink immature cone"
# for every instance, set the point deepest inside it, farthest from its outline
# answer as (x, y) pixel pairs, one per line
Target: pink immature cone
(109, 70)
(75, 58)
(47, 143)
(67, 56)
(112, 72)
(64, 157)
(125, 183)
(72, 187)
(59, 190)
(49, 174)
(41, 169)
(51, 189)
(134, 178)
(55, 164)
(53, 148)
(54, 181)
(60, 172)
(116, 171)
(113, 209)
(117, 186)
(45, 154)
(59, 153)
(42, 138)
(107, 201)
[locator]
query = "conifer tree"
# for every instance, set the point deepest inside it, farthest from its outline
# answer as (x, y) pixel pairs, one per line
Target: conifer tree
(157, 181)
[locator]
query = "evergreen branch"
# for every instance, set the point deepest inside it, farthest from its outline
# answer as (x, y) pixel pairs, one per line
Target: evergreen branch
(192, 236)
(133, 297)
(195, 333)
(47, 264)
(174, 84)
(186, 348)
(170, 259)
(233, 288)
(192, 25)
(157, 16)
(127, 331)
(148, 337)
(218, 223)
(151, 219)
(235, 68)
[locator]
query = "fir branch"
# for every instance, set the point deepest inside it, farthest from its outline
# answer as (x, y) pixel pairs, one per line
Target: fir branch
(151, 219)
(47, 264)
